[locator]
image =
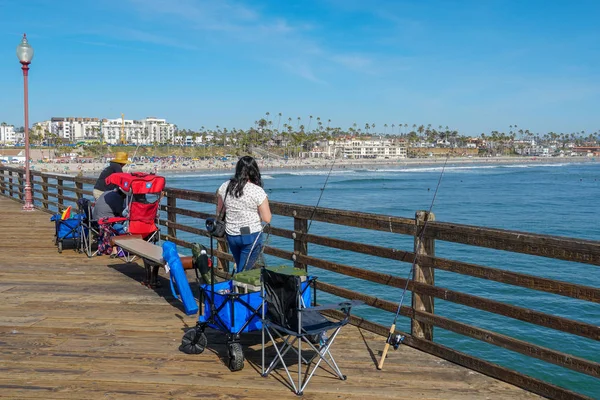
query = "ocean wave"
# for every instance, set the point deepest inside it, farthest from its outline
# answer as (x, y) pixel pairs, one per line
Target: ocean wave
(534, 165)
(318, 172)
(196, 175)
(364, 180)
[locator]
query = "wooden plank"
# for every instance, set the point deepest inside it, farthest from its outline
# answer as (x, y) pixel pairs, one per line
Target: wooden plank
(532, 384)
(562, 248)
(549, 355)
(561, 288)
(535, 317)
(103, 335)
(142, 248)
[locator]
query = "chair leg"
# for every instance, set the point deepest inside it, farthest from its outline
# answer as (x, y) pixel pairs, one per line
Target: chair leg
(155, 281)
(323, 353)
(286, 346)
(279, 359)
(148, 274)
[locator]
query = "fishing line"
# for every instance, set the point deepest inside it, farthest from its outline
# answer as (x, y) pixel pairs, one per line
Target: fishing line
(392, 339)
(309, 225)
(134, 153)
(321, 195)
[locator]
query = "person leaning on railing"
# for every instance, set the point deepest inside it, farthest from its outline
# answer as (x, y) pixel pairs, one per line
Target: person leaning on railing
(115, 166)
(246, 206)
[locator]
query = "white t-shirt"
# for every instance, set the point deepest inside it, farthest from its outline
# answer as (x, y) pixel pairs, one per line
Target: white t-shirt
(243, 211)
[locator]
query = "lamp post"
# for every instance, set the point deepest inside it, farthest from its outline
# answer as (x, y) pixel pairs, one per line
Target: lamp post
(25, 55)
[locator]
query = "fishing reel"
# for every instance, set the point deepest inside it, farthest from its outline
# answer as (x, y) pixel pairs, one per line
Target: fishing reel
(395, 340)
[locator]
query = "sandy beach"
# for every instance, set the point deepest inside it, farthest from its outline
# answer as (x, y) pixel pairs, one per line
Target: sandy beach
(94, 168)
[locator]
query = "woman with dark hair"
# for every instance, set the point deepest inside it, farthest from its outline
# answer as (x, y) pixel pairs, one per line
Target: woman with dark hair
(246, 206)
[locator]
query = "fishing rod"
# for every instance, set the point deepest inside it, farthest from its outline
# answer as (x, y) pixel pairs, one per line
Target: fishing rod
(392, 339)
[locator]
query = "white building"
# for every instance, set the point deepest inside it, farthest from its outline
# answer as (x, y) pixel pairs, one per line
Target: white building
(146, 131)
(7, 134)
(74, 129)
(158, 130)
(356, 148)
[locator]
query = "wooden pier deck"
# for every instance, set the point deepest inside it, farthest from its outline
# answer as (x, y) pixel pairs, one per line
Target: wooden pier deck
(79, 328)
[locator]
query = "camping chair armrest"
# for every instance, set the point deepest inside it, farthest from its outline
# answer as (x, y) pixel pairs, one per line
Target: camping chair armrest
(344, 305)
(111, 220)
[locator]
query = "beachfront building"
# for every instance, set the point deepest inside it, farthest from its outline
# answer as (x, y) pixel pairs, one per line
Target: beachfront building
(360, 149)
(158, 130)
(112, 131)
(140, 132)
(42, 129)
(74, 129)
(7, 134)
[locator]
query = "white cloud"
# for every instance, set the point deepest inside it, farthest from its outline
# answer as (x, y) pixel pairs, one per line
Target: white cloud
(302, 70)
(353, 61)
(264, 36)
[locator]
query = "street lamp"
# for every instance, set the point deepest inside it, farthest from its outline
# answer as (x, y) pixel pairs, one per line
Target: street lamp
(25, 55)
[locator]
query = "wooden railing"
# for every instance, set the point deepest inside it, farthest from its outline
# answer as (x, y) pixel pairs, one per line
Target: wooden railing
(53, 192)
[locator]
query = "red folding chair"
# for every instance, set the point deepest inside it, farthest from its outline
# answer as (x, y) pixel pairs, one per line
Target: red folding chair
(144, 192)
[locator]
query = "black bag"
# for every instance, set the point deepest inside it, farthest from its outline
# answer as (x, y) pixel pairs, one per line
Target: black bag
(216, 226)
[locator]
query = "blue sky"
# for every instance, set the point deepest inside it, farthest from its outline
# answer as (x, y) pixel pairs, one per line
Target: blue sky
(474, 66)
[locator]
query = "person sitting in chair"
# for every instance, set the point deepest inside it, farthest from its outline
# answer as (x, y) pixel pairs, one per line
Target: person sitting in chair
(115, 166)
(110, 204)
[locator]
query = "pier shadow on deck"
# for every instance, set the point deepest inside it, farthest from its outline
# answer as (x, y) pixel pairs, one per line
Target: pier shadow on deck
(78, 328)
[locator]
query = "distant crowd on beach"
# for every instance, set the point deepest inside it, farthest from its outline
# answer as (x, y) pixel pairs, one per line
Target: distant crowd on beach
(186, 164)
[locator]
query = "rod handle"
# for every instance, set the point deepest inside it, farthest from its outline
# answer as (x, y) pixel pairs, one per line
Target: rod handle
(386, 348)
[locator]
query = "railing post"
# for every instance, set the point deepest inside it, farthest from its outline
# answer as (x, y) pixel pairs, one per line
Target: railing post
(21, 184)
(3, 182)
(45, 191)
(79, 191)
(171, 216)
(59, 194)
(11, 191)
(425, 247)
(223, 264)
(300, 244)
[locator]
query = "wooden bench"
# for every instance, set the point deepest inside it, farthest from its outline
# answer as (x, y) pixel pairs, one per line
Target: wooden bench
(150, 254)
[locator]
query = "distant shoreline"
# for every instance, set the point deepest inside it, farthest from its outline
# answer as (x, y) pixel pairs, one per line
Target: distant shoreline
(93, 169)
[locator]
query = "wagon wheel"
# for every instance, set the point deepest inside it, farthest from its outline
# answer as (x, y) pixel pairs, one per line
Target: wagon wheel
(60, 246)
(236, 357)
(193, 342)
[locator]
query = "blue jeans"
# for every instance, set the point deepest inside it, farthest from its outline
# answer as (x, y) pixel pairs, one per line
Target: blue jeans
(240, 246)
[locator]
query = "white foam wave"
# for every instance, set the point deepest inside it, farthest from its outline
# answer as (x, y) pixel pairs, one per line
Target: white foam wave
(198, 175)
(321, 172)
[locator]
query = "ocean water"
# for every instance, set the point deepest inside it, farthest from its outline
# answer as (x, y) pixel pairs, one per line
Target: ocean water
(554, 198)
